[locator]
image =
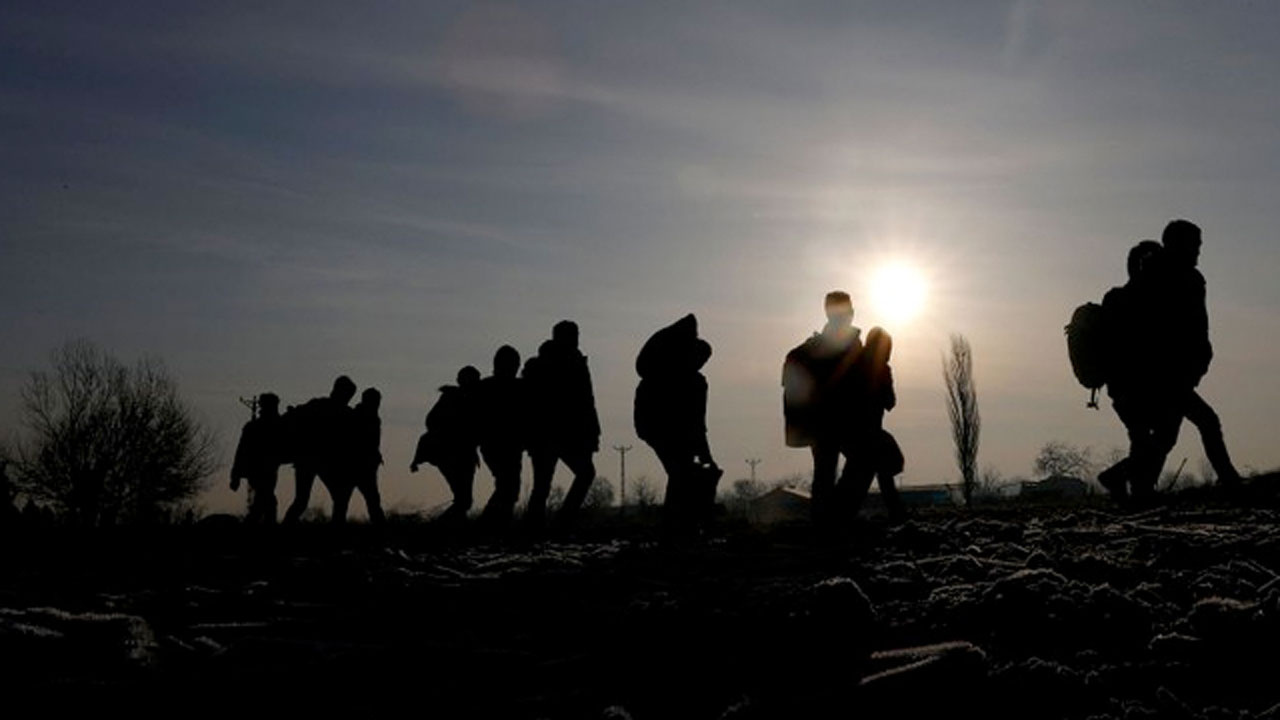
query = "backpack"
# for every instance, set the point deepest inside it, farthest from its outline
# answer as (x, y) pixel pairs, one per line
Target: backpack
(799, 395)
(1087, 348)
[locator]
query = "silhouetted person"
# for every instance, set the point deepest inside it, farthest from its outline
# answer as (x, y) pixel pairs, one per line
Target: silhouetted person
(1186, 331)
(316, 431)
(451, 439)
(670, 415)
(1141, 376)
(563, 421)
(363, 440)
(820, 399)
(503, 424)
(258, 458)
(875, 397)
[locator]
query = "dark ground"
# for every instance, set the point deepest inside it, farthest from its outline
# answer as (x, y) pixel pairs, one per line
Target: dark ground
(1076, 612)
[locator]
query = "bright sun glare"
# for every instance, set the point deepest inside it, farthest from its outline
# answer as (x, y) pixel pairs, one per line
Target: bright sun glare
(898, 293)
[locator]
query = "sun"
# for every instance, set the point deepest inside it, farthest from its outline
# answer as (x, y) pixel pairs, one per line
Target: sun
(898, 292)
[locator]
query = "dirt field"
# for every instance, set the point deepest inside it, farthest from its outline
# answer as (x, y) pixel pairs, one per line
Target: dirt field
(1008, 612)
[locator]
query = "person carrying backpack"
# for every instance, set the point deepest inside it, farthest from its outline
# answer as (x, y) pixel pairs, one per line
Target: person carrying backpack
(1186, 335)
(362, 440)
(314, 433)
(1138, 381)
(258, 457)
(564, 426)
(819, 396)
(503, 428)
(670, 415)
(451, 440)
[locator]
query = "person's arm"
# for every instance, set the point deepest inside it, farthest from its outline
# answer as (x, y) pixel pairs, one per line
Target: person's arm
(702, 447)
(1200, 320)
(890, 397)
(238, 466)
(593, 418)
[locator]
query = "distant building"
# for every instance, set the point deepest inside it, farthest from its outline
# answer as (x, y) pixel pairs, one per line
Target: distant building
(780, 505)
(1058, 487)
(915, 496)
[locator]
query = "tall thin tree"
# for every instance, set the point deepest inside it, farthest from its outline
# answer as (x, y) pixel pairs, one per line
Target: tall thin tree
(962, 409)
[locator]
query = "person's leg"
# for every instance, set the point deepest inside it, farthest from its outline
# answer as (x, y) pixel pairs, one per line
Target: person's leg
(304, 477)
(825, 459)
(259, 496)
(855, 478)
(504, 465)
(676, 498)
(464, 486)
(584, 474)
(1165, 421)
(270, 507)
(1201, 414)
(1118, 477)
(341, 495)
(544, 471)
(339, 478)
(368, 487)
(889, 464)
(455, 488)
(706, 481)
(251, 515)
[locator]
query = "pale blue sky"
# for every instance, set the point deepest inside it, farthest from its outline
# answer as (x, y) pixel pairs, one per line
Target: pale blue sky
(267, 198)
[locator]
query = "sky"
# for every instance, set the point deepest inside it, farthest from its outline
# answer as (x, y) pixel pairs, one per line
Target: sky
(266, 196)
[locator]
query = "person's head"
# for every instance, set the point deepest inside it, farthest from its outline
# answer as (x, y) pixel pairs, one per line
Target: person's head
(565, 333)
(468, 377)
(506, 362)
(839, 307)
(1143, 258)
(268, 404)
(343, 389)
(879, 345)
(371, 398)
(1181, 239)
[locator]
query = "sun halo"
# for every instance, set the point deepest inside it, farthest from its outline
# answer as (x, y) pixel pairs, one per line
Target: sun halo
(898, 292)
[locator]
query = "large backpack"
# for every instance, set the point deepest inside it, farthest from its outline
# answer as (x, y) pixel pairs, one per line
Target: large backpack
(1087, 340)
(298, 427)
(799, 395)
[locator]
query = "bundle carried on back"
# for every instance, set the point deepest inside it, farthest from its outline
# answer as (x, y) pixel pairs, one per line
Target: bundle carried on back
(1087, 348)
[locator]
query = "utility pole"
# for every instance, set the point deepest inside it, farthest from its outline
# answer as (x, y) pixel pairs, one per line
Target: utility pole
(753, 462)
(252, 404)
(622, 458)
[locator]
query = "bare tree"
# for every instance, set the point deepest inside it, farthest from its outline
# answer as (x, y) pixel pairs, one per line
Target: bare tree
(962, 408)
(555, 496)
(740, 493)
(599, 495)
(645, 492)
(104, 443)
(794, 480)
(1058, 458)
(990, 481)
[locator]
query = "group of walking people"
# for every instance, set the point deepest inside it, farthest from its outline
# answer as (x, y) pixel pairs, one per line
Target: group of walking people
(547, 408)
(324, 438)
(1148, 343)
